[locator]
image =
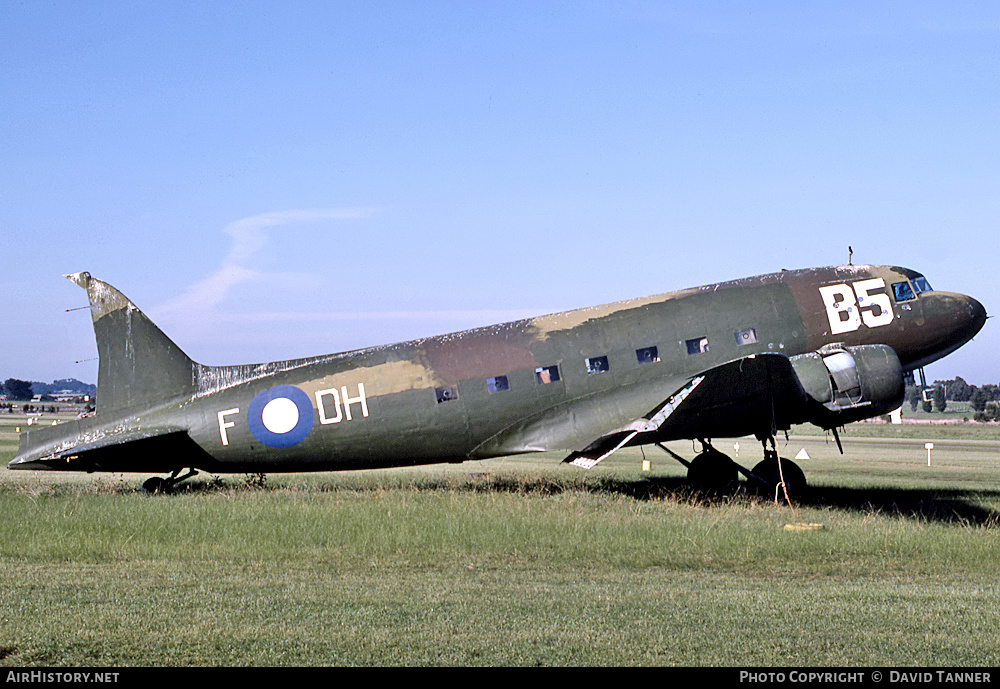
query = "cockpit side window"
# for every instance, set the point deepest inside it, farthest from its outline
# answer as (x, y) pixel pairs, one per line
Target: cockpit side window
(921, 285)
(902, 291)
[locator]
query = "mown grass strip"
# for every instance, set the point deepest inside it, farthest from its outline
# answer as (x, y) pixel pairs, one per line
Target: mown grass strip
(505, 563)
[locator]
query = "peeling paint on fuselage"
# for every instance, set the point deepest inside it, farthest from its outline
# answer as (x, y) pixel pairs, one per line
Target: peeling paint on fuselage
(428, 400)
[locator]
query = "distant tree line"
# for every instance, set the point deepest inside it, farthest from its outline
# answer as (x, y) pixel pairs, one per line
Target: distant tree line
(16, 389)
(983, 399)
(29, 408)
(25, 391)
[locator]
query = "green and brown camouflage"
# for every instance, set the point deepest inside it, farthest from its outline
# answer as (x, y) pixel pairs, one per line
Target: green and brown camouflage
(747, 357)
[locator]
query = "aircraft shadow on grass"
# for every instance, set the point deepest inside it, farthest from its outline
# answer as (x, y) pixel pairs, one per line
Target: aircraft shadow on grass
(949, 506)
(945, 506)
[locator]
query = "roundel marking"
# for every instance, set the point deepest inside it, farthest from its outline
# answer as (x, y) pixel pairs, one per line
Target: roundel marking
(281, 416)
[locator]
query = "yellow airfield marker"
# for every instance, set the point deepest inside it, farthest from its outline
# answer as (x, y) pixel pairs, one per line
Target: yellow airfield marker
(804, 527)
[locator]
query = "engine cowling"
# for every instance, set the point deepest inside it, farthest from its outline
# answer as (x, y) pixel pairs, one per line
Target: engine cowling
(847, 384)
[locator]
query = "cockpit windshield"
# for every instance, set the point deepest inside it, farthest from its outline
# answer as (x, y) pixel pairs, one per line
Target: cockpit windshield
(903, 291)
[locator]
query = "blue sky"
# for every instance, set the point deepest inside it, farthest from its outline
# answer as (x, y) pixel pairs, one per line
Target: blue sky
(273, 180)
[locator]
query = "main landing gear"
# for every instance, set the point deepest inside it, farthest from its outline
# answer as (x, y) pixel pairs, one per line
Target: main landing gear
(166, 485)
(779, 479)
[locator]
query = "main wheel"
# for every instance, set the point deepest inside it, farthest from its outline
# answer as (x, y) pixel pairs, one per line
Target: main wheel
(712, 470)
(155, 485)
(770, 476)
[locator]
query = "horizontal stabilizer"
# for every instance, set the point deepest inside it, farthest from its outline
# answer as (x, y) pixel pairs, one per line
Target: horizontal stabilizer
(78, 448)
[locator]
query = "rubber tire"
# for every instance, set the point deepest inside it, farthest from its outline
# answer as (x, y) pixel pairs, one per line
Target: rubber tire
(795, 479)
(713, 471)
(156, 485)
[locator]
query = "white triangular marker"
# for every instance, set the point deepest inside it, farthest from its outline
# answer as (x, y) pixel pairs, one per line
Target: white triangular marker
(802, 454)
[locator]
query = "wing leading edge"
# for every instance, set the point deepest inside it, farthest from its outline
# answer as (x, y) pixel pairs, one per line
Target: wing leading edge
(756, 395)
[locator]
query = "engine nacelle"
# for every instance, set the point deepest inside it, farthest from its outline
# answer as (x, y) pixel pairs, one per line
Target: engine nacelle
(850, 383)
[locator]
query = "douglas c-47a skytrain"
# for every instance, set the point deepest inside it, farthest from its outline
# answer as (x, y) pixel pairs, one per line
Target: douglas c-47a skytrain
(749, 357)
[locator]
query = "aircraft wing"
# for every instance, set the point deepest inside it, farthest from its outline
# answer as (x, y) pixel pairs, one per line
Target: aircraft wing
(743, 397)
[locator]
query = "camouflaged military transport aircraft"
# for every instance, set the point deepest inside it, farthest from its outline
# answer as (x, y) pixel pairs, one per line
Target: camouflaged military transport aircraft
(749, 357)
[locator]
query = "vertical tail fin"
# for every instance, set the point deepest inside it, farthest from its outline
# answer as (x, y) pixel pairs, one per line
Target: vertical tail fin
(138, 364)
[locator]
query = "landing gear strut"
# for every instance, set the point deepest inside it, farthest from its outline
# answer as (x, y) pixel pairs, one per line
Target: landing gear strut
(710, 470)
(165, 485)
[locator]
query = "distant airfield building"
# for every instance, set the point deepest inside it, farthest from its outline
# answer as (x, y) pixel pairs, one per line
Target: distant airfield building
(61, 396)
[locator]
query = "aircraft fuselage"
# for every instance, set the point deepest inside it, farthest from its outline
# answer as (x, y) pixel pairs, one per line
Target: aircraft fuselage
(695, 363)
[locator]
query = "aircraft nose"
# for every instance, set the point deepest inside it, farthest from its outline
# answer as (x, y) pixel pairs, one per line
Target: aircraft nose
(977, 315)
(962, 315)
(950, 320)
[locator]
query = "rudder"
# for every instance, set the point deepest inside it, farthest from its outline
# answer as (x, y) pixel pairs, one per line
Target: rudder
(137, 364)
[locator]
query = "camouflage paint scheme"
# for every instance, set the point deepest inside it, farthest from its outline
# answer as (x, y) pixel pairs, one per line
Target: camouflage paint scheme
(745, 357)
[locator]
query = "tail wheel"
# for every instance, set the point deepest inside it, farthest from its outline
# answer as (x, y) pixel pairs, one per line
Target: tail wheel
(165, 485)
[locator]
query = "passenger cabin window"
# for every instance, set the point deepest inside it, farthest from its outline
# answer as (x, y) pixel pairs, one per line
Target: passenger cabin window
(698, 345)
(746, 336)
(547, 374)
(597, 364)
(498, 384)
(902, 291)
(647, 355)
(446, 394)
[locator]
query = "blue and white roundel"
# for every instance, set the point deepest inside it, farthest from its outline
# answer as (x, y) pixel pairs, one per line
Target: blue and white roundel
(281, 416)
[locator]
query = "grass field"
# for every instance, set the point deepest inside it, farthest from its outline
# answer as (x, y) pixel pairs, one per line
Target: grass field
(518, 561)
